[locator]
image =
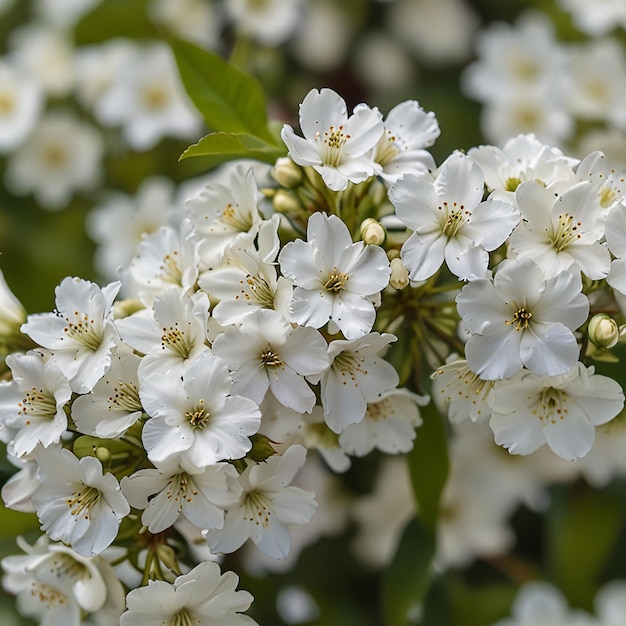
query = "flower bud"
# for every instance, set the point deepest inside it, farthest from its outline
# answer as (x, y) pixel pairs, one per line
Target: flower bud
(399, 274)
(286, 173)
(373, 232)
(285, 202)
(12, 313)
(603, 330)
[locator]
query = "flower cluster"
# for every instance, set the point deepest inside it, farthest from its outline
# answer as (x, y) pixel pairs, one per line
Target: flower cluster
(296, 308)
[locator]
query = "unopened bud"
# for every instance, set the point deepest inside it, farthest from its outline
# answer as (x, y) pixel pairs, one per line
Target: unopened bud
(261, 448)
(399, 278)
(286, 173)
(373, 232)
(103, 454)
(603, 331)
(285, 202)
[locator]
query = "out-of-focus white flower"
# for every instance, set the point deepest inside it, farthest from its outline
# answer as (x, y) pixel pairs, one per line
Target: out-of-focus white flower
(615, 233)
(596, 17)
(147, 99)
(119, 223)
(195, 20)
(195, 417)
(20, 106)
(64, 13)
(610, 603)
(76, 503)
(388, 425)
(597, 84)
(46, 54)
(521, 319)
(335, 279)
(33, 404)
(541, 603)
(382, 63)
(267, 507)
(62, 155)
(271, 22)
(438, 32)
(81, 333)
(562, 411)
(338, 147)
(323, 37)
(610, 141)
(563, 233)
(56, 585)
(450, 221)
(204, 596)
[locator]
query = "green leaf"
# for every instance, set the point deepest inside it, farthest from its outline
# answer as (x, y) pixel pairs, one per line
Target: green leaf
(229, 100)
(218, 148)
(408, 578)
(582, 530)
(429, 465)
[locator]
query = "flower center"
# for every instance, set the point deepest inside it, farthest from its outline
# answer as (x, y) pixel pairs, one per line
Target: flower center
(198, 417)
(256, 288)
(169, 270)
(333, 141)
(235, 219)
(257, 508)
(387, 148)
(347, 364)
(176, 340)
(55, 156)
(47, 595)
(607, 195)
(84, 331)
(83, 500)
(155, 97)
(564, 232)
(180, 489)
(125, 397)
(37, 403)
(521, 319)
(453, 218)
(336, 280)
(551, 406)
(269, 358)
(380, 410)
(183, 618)
(7, 104)
(512, 183)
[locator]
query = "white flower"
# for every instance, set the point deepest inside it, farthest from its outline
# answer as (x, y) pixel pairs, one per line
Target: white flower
(81, 333)
(335, 279)
(147, 100)
(61, 155)
(388, 425)
(358, 376)
(563, 233)
(64, 13)
(56, 585)
(460, 393)
(562, 411)
(267, 507)
(338, 147)
(596, 17)
(33, 404)
(12, 313)
(450, 221)
(521, 319)
(400, 150)
(76, 503)
(197, 417)
(610, 603)
(46, 54)
(20, 105)
(194, 20)
(172, 336)
(271, 22)
(165, 258)
(221, 213)
(203, 597)
(266, 352)
(169, 492)
(607, 178)
(522, 158)
(541, 603)
(113, 405)
(17, 491)
(615, 233)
